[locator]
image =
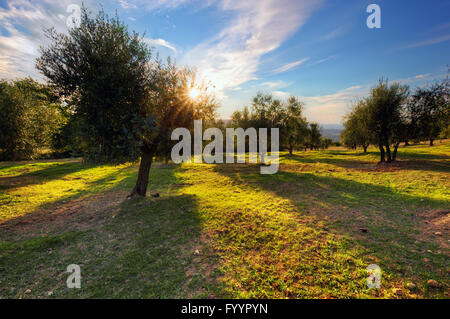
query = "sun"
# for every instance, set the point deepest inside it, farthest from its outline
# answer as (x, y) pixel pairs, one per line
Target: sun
(194, 93)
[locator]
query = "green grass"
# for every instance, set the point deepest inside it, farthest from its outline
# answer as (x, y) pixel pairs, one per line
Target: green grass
(227, 231)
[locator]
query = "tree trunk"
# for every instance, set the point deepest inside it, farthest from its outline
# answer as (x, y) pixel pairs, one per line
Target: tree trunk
(431, 141)
(166, 158)
(388, 153)
(291, 148)
(140, 189)
(394, 155)
(406, 143)
(382, 160)
(365, 148)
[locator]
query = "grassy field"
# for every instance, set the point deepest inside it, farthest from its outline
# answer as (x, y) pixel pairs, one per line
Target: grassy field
(216, 231)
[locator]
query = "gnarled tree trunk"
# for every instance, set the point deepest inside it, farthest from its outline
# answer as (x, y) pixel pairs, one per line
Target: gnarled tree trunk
(140, 189)
(394, 154)
(388, 153)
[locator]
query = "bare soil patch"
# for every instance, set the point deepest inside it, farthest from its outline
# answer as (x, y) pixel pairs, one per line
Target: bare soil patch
(76, 214)
(435, 226)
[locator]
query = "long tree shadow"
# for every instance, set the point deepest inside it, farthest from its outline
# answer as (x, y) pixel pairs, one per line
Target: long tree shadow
(436, 163)
(380, 219)
(146, 251)
(139, 248)
(121, 179)
(51, 171)
(65, 195)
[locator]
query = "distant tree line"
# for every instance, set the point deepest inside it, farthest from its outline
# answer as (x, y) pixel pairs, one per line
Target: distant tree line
(295, 131)
(31, 120)
(391, 115)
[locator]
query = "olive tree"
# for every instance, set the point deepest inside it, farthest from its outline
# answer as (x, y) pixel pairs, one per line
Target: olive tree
(128, 102)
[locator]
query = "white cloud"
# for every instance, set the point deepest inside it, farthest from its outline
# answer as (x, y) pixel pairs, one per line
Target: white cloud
(330, 108)
(422, 76)
(127, 4)
(275, 84)
(160, 42)
(233, 56)
(19, 48)
(281, 94)
(291, 65)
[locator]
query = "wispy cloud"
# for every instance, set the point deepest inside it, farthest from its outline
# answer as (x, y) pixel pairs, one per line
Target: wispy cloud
(291, 65)
(330, 108)
(322, 60)
(153, 4)
(333, 34)
(428, 42)
(160, 42)
(127, 4)
(233, 56)
(422, 76)
(280, 84)
(281, 94)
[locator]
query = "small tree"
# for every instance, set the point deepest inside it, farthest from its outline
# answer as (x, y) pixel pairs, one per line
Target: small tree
(325, 143)
(356, 130)
(294, 129)
(385, 108)
(429, 110)
(314, 136)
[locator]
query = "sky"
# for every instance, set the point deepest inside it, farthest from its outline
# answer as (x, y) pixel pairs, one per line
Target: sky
(321, 51)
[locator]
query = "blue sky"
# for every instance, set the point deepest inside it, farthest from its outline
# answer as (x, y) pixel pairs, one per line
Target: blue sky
(321, 51)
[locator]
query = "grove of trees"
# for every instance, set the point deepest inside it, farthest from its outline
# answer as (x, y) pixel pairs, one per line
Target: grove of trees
(109, 100)
(391, 115)
(295, 131)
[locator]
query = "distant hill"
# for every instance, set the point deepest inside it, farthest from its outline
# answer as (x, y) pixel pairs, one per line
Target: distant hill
(332, 131)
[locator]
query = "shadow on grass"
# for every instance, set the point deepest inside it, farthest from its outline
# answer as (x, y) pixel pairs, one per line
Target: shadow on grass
(144, 248)
(112, 181)
(147, 251)
(387, 217)
(429, 162)
(47, 173)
